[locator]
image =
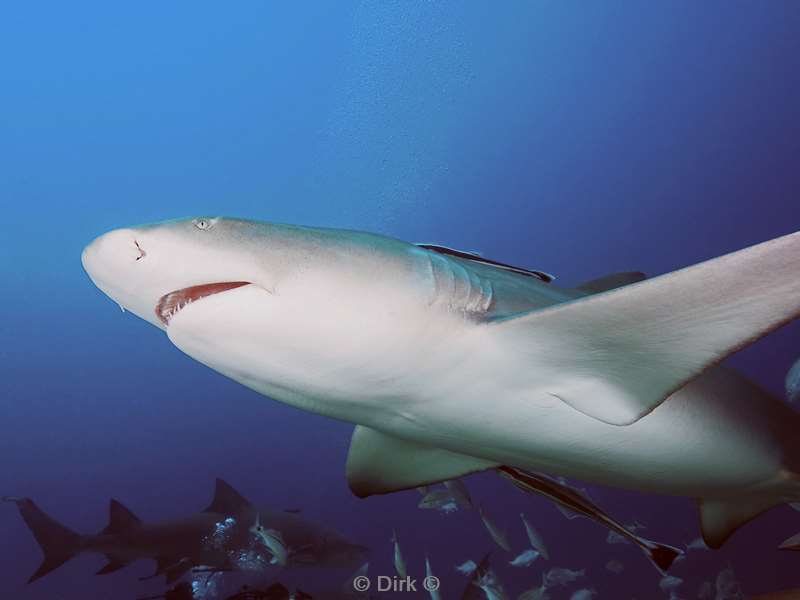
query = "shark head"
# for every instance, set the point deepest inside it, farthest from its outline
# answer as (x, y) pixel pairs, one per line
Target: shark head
(156, 270)
(269, 305)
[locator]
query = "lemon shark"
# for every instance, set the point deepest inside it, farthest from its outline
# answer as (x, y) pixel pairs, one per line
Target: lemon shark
(218, 538)
(450, 363)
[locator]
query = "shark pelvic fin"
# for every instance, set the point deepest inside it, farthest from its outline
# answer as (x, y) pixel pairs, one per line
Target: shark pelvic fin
(227, 501)
(617, 355)
(379, 463)
(720, 518)
(120, 518)
(610, 282)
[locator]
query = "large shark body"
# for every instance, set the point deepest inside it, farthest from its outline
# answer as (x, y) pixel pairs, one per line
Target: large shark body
(217, 538)
(449, 363)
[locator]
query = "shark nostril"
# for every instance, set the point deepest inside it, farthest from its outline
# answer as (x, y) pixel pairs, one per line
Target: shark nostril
(142, 253)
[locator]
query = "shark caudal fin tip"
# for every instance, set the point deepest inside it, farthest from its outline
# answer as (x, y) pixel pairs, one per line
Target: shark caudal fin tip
(57, 542)
(663, 556)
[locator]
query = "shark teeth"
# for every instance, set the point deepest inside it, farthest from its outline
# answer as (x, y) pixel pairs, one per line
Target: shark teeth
(171, 304)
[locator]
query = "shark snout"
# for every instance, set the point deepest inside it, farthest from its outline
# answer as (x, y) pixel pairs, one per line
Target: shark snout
(113, 250)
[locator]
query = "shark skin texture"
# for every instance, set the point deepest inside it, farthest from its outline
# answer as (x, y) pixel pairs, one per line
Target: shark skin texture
(449, 363)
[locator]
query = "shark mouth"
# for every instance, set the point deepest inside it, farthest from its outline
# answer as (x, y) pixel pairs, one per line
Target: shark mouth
(169, 304)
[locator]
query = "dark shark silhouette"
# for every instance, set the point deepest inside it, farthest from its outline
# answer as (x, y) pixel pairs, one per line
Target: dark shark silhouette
(217, 538)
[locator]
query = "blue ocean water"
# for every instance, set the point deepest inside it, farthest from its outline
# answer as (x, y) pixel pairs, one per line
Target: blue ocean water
(580, 139)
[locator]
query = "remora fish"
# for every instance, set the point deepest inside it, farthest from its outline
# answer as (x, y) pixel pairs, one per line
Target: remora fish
(217, 537)
(498, 536)
(451, 363)
(660, 554)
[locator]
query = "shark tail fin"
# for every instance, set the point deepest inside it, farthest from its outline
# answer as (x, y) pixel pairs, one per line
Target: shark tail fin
(58, 543)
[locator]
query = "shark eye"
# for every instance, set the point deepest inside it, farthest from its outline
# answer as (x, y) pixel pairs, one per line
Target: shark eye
(202, 224)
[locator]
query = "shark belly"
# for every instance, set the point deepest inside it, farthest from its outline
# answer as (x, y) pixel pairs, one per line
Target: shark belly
(427, 378)
(718, 435)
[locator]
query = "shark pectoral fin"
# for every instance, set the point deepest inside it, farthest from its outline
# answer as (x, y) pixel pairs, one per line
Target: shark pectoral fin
(719, 518)
(617, 355)
(379, 463)
(610, 282)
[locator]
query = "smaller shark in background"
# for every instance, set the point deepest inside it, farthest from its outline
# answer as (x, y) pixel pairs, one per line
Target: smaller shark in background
(218, 538)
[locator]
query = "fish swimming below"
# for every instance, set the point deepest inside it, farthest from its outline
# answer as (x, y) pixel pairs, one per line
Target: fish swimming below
(460, 494)
(429, 576)
(399, 561)
(272, 540)
(216, 538)
(484, 584)
(558, 576)
(526, 559)
(500, 538)
(669, 583)
(728, 587)
(535, 538)
(440, 499)
(467, 567)
(537, 593)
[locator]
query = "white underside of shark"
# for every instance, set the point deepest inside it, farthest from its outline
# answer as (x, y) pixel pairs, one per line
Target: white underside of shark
(450, 364)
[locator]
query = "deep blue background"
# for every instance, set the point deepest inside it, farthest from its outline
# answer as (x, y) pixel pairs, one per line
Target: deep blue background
(577, 138)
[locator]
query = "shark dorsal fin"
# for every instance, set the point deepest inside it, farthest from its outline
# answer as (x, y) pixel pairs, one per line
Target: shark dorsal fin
(120, 518)
(227, 501)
